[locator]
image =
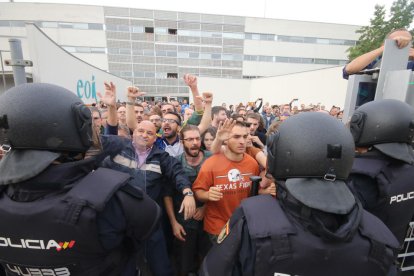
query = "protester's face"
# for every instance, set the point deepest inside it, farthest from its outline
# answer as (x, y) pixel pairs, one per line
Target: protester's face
(122, 113)
(156, 120)
(192, 143)
(144, 135)
(221, 116)
(167, 108)
(97, 121)
(238, 141)
(139, 113)
(254, 124)
(242, 112)
(104, 117)
(187, 113)
(334, 111)
(208, 141)
(268, 111)
(286, 109)
(170, 125)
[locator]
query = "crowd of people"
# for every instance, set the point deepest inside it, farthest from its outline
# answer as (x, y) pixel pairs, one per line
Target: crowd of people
(178, 188)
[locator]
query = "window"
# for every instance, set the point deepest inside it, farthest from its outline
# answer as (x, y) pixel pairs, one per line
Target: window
(216, 56)
(172, 31)
(194, 55)
(149, 30)
(149, 53)
(159, 30)
(137, 29)
(95, 26)
(124, 51)
(266, 58)
(183, 54)
(49, 24)
(282, 59)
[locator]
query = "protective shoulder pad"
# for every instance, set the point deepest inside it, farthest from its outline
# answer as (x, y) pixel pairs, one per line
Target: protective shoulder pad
(97, 188)
(374, 229)
(265, 217)
(368, 166)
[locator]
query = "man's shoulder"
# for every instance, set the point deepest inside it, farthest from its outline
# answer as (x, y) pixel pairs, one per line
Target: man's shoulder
(410, 65)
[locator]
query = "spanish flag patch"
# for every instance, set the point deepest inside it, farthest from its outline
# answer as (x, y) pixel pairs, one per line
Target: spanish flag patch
(225, 231)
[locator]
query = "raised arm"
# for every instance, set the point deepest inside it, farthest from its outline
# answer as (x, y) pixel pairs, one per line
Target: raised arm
(359, 63)
(206, 119)
(109, 99)
(132, 94)
(191, 81)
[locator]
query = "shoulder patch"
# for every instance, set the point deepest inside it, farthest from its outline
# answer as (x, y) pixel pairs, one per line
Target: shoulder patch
(225, 231)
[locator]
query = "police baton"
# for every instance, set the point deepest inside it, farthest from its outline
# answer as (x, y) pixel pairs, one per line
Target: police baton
(254, 191)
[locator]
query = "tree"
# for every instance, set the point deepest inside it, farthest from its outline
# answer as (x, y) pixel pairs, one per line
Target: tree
(371, 37)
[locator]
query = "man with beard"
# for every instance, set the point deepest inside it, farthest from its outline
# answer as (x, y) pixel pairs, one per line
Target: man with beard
(171, 125)
(223, 181)
(151, 169)
(192, 242)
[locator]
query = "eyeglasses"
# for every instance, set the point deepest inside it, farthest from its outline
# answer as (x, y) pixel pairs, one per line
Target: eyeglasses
(170, 121)
(197, 139)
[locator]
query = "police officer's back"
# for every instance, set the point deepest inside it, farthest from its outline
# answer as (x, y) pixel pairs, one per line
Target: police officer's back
(316, 227)
(59, 215)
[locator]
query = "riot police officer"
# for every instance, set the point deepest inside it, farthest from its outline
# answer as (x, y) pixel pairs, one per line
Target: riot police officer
(59, 215)
(383, 171)
(316, 227)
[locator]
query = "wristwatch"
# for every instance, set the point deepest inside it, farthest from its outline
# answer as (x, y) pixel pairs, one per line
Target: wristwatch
(190, 193)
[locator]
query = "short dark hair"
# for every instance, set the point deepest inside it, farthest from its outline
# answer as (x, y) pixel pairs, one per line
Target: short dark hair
(175, 114)
(253, 116)
(240, 124)
(188, 127)
(216, 110)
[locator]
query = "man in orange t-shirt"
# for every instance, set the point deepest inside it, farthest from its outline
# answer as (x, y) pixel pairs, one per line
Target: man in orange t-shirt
(223, 181)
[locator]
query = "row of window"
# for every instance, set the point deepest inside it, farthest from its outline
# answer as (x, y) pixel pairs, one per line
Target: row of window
(82, 49)
(161, 76)
(52, 24)
(295, 60)
(299, 39)
(193, 55)
(233, 57)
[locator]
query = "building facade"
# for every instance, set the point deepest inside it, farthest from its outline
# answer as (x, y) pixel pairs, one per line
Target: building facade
(154, 49)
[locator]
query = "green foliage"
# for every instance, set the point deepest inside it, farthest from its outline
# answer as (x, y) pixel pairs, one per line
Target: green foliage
(371, 37)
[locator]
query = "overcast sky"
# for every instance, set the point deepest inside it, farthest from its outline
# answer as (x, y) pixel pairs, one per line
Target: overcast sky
(354, 12)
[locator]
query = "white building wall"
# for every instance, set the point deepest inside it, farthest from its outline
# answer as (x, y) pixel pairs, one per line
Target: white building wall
(52, 12)
(321, 86)
(270, 69)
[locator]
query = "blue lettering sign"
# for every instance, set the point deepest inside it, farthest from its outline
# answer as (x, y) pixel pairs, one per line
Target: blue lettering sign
(86, 89)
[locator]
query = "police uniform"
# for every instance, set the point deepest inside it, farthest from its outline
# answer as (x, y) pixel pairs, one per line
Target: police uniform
(64, 216)
(315, 227)
(383, 170)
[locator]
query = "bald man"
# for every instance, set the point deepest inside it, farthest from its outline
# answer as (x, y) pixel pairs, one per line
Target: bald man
(150, 168)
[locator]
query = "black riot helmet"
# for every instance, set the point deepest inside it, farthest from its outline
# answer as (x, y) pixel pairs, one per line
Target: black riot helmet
(310, 156)
(44, 117)
(313, 145)
(387, 125)
(383, 121)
